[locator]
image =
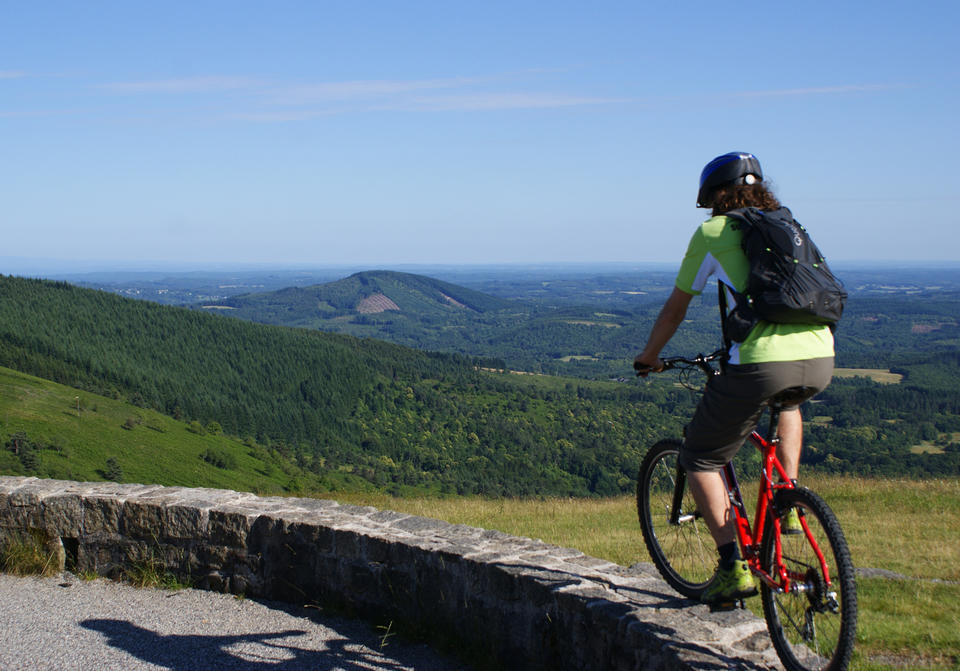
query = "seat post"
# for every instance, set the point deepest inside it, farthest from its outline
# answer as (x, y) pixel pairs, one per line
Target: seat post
(775, 408)
(789, 396)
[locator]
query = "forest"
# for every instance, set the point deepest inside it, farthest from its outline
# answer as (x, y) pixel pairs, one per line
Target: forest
(586, 325)
(405, 419)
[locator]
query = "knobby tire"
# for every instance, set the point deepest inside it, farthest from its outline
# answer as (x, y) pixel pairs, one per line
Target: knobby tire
(809, 629)
(684, 553)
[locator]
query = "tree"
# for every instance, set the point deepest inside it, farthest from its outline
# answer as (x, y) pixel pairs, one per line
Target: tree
(113, 471)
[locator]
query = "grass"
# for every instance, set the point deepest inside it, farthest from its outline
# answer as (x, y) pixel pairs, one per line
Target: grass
(29, 553)
(78, 432)
(926, 447)
(907, 527)
(878, 375)
(151, 572)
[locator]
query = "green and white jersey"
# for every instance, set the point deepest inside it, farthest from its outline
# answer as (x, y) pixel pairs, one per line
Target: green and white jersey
(714, 250)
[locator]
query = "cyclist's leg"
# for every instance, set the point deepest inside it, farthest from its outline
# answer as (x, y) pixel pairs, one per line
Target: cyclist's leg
(726, 414)
(711, 496)
(790, 430)
(812, 373)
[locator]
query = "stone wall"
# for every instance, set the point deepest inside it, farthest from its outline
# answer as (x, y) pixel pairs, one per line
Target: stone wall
(502, 601)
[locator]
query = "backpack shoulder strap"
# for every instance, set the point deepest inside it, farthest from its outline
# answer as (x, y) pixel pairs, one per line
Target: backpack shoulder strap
(722, 301)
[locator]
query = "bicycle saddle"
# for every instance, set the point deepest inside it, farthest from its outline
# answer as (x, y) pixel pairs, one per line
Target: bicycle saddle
(792, 396)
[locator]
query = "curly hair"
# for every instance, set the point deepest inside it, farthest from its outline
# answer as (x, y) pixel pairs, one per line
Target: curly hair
(734, 196)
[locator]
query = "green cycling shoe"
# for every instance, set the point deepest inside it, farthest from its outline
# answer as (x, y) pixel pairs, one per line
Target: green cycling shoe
(730, 583)
(790, 523)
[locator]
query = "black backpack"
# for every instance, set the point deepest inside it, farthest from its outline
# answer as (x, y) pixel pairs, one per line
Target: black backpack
(789, 280)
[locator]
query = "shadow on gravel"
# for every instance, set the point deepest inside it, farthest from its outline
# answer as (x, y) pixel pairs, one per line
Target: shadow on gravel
(244, 652)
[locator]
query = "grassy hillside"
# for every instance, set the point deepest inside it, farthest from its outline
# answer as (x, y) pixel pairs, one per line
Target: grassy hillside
(54, 431)
(253, 379)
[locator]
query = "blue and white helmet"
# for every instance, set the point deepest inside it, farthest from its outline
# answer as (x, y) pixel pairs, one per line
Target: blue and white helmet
(737, 167)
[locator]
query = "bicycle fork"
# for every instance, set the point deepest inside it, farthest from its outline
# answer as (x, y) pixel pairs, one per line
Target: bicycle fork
(677, 516)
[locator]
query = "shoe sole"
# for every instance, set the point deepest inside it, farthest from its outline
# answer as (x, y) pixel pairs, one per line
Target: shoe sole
(736, 596)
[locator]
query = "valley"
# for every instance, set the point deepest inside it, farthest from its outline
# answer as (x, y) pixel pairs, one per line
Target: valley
(432, 413)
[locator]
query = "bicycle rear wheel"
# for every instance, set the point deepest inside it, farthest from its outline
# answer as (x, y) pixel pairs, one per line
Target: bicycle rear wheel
(812, 626)
(684, 553)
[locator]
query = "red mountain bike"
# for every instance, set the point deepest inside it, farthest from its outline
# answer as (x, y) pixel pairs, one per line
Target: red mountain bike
(807, 583)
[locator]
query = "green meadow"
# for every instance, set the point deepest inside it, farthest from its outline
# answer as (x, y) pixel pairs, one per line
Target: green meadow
(74, 435)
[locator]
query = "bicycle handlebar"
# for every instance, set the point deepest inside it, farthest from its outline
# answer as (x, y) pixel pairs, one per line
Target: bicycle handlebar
(700, 361)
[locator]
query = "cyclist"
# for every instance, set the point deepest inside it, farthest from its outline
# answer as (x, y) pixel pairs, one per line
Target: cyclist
(772, 358)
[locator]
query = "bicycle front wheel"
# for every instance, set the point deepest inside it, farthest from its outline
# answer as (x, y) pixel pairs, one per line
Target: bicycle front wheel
(682, 550)
(813, 625)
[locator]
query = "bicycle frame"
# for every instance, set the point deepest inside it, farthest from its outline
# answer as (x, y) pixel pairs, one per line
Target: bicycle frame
(749, 539)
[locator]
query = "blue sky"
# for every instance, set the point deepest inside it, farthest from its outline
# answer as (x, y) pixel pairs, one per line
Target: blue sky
(388, 133)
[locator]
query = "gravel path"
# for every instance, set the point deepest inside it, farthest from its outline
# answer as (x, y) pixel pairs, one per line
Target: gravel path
(64, 623)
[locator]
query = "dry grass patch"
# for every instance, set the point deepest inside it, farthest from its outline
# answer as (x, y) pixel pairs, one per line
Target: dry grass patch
(876, 374)
(906, 526)
(605, 528)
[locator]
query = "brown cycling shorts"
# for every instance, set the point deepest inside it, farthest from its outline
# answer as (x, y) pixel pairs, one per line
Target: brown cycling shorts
(733, 402)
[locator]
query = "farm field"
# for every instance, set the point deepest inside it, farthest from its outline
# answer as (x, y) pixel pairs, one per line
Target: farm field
(878, 375)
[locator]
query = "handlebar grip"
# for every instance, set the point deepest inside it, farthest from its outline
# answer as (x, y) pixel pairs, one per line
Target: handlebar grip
(645, 370)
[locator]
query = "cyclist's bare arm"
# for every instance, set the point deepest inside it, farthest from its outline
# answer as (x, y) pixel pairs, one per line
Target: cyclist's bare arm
(671, 316)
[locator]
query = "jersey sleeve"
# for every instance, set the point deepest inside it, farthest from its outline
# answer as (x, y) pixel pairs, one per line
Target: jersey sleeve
(697, 266)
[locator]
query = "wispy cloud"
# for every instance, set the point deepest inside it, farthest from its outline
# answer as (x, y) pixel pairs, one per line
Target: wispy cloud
(12, 74)
(281, 101)
(277, 101)
(495, 101)
(465, 102)
(210, 84)
(361, 89)
(818, 90)
(277, 116)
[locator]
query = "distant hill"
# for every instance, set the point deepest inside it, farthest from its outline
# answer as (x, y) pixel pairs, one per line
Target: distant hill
(410, 296)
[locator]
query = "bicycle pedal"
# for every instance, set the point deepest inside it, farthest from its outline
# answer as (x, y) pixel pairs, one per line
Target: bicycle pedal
(726, 606)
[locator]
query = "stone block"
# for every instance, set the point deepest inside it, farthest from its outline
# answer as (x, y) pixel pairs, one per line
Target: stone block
(230, 525)
(23, 507)
(63, 514)
(101, 515)
(184, 521)
(348, 543)
(265, 533)
(142, 519)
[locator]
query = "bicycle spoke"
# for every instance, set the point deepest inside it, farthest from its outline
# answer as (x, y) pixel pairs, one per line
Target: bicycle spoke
(684, 552)
(813, 624)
